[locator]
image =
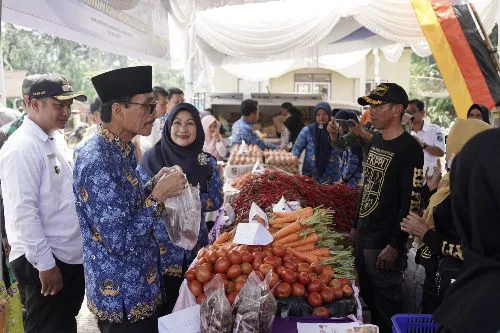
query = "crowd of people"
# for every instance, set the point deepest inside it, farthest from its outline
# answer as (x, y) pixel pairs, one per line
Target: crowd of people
(92, 221)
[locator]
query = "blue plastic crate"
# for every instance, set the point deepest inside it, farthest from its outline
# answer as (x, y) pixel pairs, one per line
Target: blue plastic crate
(413, 323)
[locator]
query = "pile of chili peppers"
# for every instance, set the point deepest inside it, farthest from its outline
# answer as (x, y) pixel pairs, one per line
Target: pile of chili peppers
(268, 188)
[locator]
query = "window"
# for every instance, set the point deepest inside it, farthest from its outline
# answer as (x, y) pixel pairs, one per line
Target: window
(313, 84)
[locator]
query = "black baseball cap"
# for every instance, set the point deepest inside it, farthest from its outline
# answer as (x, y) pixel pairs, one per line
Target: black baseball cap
(53, 85)
(385, 93)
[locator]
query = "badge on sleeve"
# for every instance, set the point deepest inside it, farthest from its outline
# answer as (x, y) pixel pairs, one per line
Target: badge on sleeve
(440, 137)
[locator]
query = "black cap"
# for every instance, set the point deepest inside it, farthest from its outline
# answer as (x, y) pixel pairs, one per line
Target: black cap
(385, 93)
(123, 82)
(28, 82)
(54, 85)
(96, 105)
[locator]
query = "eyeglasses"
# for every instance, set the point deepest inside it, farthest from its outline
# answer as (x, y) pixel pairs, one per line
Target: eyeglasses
(152, 106)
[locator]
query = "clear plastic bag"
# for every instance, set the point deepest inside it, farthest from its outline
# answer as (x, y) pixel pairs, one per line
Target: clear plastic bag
(215, 312)
(268, 306)
(246, 308)
(183, 218)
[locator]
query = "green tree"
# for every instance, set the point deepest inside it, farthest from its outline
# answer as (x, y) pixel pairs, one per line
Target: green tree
(25, 49)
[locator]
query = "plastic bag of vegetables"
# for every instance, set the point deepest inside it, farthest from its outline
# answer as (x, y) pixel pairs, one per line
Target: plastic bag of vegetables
(246, 308)
(215, 312)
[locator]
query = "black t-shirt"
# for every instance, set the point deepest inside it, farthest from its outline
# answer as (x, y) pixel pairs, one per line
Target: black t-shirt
(392, 183)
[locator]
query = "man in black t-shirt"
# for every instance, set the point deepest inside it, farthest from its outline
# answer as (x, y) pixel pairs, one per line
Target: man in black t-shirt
(392, 180)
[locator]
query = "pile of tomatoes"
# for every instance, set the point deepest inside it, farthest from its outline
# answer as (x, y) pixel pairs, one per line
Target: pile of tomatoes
(289, 277)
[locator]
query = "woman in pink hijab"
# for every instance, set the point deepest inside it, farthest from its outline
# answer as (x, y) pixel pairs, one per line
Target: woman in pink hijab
(214, 143)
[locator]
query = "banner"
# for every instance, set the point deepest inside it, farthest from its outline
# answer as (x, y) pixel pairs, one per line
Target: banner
(460, 53)
(133, 28)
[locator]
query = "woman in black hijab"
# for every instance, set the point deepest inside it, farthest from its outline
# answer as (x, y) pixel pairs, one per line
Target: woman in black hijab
(181, 145)
(293, 124)
(471, 304)
(479, 112)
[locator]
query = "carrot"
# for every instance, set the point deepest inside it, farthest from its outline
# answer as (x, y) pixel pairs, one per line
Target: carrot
(305, 247)
(324, 258)
(295, 227)
(321, 252)
(291, 217)
(297, 212)
(311, 238)
(308, 257)
(281, 226)
(288, 239)
(223, 238)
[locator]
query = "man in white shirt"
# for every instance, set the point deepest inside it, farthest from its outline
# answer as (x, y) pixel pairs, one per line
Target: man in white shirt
(41, 222)
(429, 136)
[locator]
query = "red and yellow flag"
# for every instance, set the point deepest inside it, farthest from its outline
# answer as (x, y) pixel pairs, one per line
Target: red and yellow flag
(460, 53)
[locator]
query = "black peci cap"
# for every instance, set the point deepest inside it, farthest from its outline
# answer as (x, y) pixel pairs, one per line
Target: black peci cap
(385, 93)
(123, 82)
(53, 85)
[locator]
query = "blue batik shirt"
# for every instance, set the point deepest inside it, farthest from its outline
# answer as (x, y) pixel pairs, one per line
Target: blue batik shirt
(117, 216)
(305, 142)
(352, 168)
(243, 131)
(171, 256)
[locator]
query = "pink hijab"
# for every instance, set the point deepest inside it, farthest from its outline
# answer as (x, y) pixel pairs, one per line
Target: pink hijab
(210, 142)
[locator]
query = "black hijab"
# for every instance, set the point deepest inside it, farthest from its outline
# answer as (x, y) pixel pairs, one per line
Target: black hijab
(192, 159)
(294, 123)
(471, 303)
(485, 113)
(321, 139)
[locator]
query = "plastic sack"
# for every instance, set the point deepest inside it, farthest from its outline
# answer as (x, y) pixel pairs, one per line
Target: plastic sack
(246, 308)
(183, 218)
(268, 306)
(216, 312)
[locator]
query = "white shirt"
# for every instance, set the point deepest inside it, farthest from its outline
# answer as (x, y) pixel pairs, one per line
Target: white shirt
(37, 186)
(431, 135)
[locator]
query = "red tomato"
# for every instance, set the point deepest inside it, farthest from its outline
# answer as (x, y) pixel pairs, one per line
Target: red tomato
(335, 284)
(268, 252)
(279, 250)
(347, 291)
(254, 248)
(190, 275)
(246, 256)
(231, 297)
(283, 290)
(325, 278)
(313, 276)
(280, 270)
(195, 287)
(328, 295)
(201, 298)
(222, 265)
(317, 268)
(291, 265)
(260, 275)
(238, 286)
(242, 277)
(242, 248)
(246, 268)
(339, 293)
(207, 266)
(233, 272)
(272, 261)
(259, 255)
(289, 276)
(344, 282)
(202, 274)
(321, 311)
(265, 268)
(212, 257)
(274, 280)
(315, 285)
(314, 299)
(304, 267)
(298, 290)
(256, 264)
(289, 256)
(228, 286)
(304, 278)
(222, 253)
(235, 257)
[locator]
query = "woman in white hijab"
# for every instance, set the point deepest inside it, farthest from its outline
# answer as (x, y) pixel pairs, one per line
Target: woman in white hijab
(214, 143)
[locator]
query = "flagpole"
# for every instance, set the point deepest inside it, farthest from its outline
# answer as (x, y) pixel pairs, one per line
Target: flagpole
(489, 45)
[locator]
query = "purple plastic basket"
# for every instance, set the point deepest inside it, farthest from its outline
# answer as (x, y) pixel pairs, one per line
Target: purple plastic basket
(413, 323)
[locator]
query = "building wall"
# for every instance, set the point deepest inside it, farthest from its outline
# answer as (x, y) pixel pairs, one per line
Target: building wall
(342, 88)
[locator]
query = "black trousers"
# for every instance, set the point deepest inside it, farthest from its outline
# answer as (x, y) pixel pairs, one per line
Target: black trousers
(149, 325)
(50, 314)
(382, 291)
